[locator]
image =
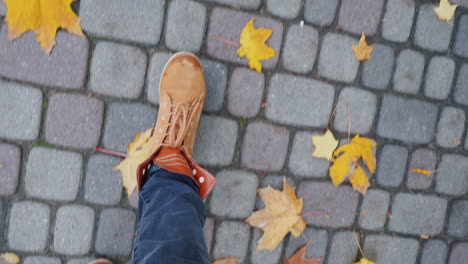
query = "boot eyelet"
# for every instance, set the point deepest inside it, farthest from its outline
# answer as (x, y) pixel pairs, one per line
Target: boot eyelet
(194, 172)
(201, 180)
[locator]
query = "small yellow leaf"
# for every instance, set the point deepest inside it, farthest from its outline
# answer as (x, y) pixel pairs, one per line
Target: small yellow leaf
(10, 258)
(253, 45)
(281, 215)
(364, 261)
(138, 151)
(324, 145)
(362, 51)
(445, 10)
(346, 163)
(44, 17)
(422, 171)
(227, 260)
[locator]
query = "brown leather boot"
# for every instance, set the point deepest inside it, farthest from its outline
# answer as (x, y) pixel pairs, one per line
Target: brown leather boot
(182, 94)
(100, 261)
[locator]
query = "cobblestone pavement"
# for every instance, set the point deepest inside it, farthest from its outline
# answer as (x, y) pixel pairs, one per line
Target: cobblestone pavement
(60, 202)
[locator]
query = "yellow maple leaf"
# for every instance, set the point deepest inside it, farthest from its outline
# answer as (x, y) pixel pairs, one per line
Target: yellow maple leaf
(227, 260)
(364, 261)
(324, 145)
(43, 17)
(445, 10)
(10, 258)
(362, 51)
(346, 165)
(281, 215)
(253, 45)
(138, 151)
(300, 257)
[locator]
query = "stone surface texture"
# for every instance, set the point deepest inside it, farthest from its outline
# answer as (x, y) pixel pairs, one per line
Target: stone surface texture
(336, 60)
(398, 20)
(10, 157)
(245, 92)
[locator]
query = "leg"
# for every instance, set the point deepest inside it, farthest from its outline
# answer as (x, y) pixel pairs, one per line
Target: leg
(171, 217)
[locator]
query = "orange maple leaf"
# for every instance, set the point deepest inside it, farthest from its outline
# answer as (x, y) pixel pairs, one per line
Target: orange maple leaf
(300, 257)
(362, 51)
(44, 17)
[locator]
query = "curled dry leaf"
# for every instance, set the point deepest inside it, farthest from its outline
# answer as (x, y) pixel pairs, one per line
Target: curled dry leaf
(324, 145)
(44, 17)
(424, 172)
(362, 51)
(300, 257)
(253, 45)
(227, 260)
(346, 163)
(281, 215)
(445, 10)
(138, 151)
(10, 258)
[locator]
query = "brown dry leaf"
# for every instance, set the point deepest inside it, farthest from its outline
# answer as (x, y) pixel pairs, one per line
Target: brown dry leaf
(300, 257)
(364, 261)
(253, 45)
(138, 151)
(10, 258)
(362, 51)
(324, 145)
(346, 165)
(227, 260)
(281, 215)
(44, 17)
(445, 10)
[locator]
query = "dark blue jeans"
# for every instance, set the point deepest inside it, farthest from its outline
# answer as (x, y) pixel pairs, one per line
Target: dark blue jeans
(171, 216)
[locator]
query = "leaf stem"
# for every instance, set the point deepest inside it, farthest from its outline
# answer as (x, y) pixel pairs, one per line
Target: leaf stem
(228, 42)
(314, 213)
(111, 152)
(357, 242)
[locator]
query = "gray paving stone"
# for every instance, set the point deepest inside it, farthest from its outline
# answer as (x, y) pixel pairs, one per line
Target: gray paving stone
(74, 120)
(20, 106)
(461, 88)
(417, 214)
(25, 60)
(320, 12)
(185, 25)
(361, 118)
(258, 152)
(112, 237)
(374, 209)
(80, 261)
(29, 226)
(339, 202)
(289, 101)
(117, 70)
(232, 240)
(408, 72)
(137, 21)
(215, 78)
(228, 25)
(300, 48)
(422, 158)
(392, 164)
(460, 48)
(337, 60)
(360, 16)
(398, 19)
(431, 33)
(439, 77)
(73, 232)
(301, 162)
(45, 174)
(42, 260)
(263, 256)
(208, 230)
(157, 63)
(247, 4)
(384, 249)
(434, 252)
(378, 69)
(408, 120)
(452, 177)
(103, 184)
(318, 239)
(450, 127)
(459, 253)
(10, 160)
(286, 9)
(458, 221)
(124, 121)
(2, 220)
(234, 194)
(2, 9)
(343, 249)
(245, 92)
(216, 141)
